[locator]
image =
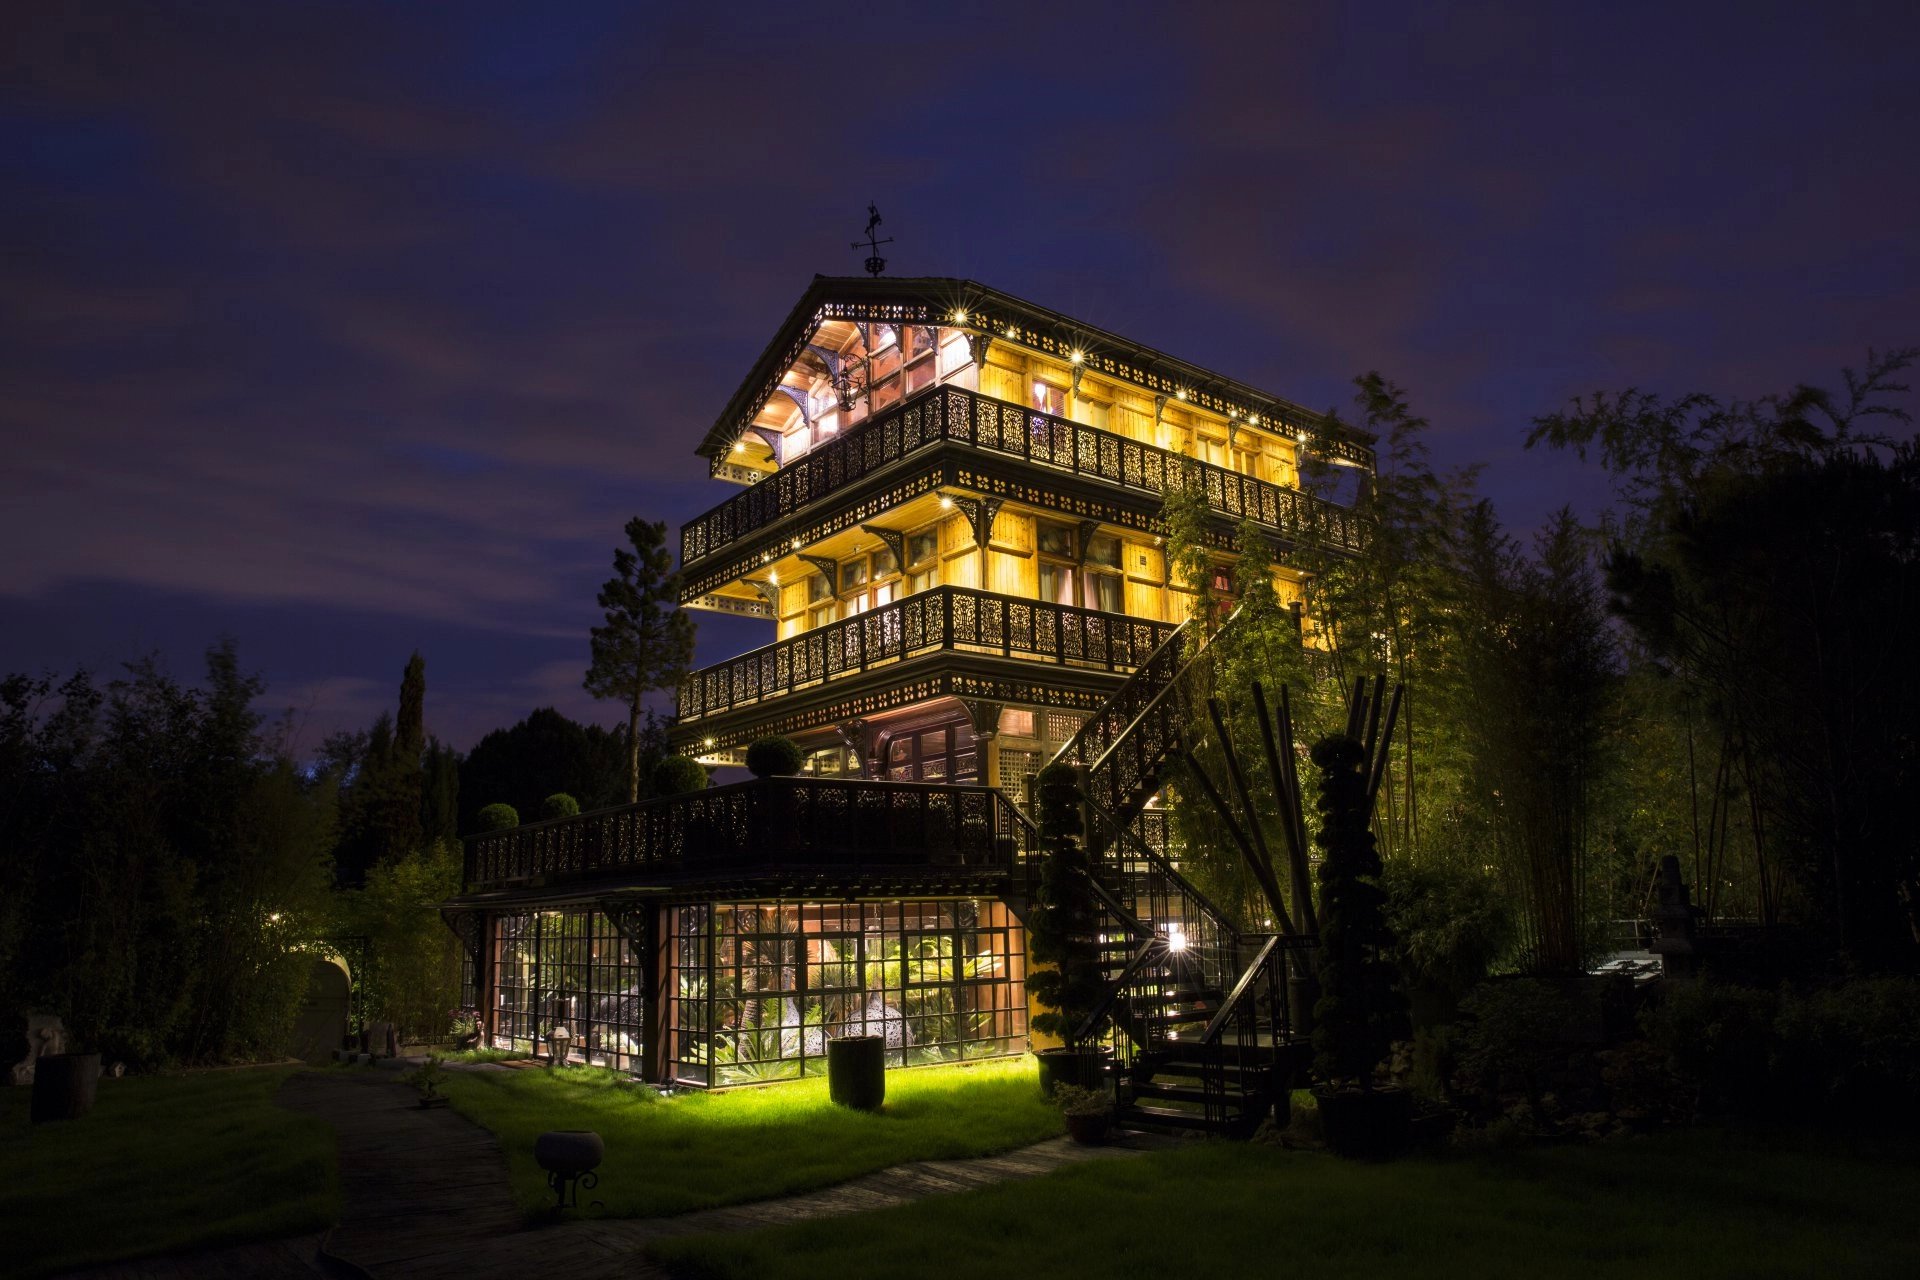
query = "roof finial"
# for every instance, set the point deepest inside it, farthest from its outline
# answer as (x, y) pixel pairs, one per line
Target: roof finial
(875, 263)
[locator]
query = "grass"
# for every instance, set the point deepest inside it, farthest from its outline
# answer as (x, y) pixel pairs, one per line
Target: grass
(1698, 1205)
(699, 1150)
(484, 1055)
(162, 1163)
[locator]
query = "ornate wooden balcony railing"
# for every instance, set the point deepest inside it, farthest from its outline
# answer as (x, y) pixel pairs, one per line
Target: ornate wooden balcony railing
(950, 619)
(949, 414)
(768, 827)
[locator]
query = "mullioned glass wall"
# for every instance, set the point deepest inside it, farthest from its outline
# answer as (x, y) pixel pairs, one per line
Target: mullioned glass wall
(759, 987)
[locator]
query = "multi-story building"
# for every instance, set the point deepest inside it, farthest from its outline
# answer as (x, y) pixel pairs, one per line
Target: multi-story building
(949, 521)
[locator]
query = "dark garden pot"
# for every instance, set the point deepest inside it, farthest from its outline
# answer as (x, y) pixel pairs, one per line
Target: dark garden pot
(1090, 1130)
(64, 1085)
(1081, 1068)
(857, 1071)
(569, 1152)
(1366, 1124)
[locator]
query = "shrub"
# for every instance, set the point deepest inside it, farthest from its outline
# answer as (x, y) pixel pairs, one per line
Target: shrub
(1361, 1010)
(774, 757)
(1064, 923)
(1516, 1034)
(499, 817)
(560, 805)
(1720, 1038)
(1856, 1045)
(676, 775)
(1452, 923)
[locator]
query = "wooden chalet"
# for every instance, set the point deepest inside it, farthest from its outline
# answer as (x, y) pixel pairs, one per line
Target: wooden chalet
(947, 517)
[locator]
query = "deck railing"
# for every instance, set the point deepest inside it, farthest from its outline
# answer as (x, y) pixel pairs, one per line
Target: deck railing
(766, 826)
(951, 619)
(954, 414)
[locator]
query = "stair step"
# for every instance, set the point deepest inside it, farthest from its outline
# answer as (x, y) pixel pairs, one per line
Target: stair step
(1174, 1118)
(1188, 1093)
(1188, 996)
(1179, 1017)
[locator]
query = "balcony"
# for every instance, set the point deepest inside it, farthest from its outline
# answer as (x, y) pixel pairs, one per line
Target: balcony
(744, 526)
(940, 620)
(770, 835)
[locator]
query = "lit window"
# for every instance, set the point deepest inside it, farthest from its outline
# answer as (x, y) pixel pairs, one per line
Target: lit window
(1048, 398)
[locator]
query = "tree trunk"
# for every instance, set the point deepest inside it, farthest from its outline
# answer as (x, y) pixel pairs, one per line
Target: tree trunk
(633, 750)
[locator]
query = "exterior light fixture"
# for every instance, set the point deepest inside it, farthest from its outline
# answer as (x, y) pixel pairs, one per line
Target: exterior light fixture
(1078, 356)
(1176, 939)
(739, 446)
(960, 317)
(946, 503)
(1181, 394)
(707, 743)
(796, 544)
(1011, 330)
(773, 576)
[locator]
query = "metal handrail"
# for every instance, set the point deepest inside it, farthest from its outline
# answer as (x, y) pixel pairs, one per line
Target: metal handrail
(1227, 1007)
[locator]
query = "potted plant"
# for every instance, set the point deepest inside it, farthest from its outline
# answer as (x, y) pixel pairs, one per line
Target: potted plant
(1088, 1112)
(1064, 928)
(466, 1029)
(1361, 1010)
(428, 1078)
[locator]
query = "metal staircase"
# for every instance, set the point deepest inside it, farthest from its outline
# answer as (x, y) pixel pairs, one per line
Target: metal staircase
(1196, 1012)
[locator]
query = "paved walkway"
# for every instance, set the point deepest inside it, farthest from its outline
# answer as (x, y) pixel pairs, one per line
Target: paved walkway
(425, 1194)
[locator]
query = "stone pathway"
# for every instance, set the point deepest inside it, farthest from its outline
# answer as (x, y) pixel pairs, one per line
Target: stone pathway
(425, 1194)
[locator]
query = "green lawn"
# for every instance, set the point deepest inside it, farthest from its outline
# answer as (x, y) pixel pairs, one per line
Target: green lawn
(1695, 1205)
(161, 1162)
(698, 1150)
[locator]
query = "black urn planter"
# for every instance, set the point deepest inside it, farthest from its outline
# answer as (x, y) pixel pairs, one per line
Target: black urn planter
(1081, 1068)
(1090, 1130)
(64, 1085)
(857, 1071)
(1366, 1124)
(570, 1157)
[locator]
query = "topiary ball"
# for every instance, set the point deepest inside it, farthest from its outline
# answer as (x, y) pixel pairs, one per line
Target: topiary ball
(774, 757)
(677, 775)
(560, 805)
(499, 817)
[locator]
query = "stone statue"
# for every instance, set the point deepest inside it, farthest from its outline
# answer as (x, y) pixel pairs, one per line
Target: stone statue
(45, 1034)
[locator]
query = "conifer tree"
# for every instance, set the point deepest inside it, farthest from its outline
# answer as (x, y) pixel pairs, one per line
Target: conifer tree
(646, 642)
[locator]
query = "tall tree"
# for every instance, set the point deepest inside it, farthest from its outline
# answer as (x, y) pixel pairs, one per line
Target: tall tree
(1767, 556)
(646, 642)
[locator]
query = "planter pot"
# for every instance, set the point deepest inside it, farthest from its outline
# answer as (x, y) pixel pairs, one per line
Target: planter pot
(569, 1152)
(857, 1071)
(64, 1085)
(1366, 1124)
(1090, 1131)
(1082, 1068)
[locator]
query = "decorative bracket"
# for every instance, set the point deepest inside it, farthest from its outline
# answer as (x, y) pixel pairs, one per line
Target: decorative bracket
(1086, 530)
(855, 735)
(1077, 371)
(977, 344)
(896, 541)
(769, 591)
(799, 399)
(980, 513)
(984, 714)
(827, 565)
(1159, 406)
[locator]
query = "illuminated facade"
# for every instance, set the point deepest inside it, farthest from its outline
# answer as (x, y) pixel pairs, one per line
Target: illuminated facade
(947, 518)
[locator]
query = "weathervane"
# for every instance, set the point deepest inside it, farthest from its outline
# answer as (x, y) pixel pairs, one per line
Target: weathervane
(875, 263)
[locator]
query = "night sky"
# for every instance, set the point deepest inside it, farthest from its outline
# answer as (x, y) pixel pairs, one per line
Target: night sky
(353, 329)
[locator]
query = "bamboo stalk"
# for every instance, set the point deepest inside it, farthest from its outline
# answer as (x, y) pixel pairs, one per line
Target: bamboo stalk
(1287, 791)
(1268, 887)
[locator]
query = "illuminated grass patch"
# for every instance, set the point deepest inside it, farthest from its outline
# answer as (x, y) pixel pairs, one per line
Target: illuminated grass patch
(699, 1150)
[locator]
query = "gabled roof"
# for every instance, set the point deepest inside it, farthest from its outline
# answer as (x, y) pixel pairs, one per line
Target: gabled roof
(939, 300)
